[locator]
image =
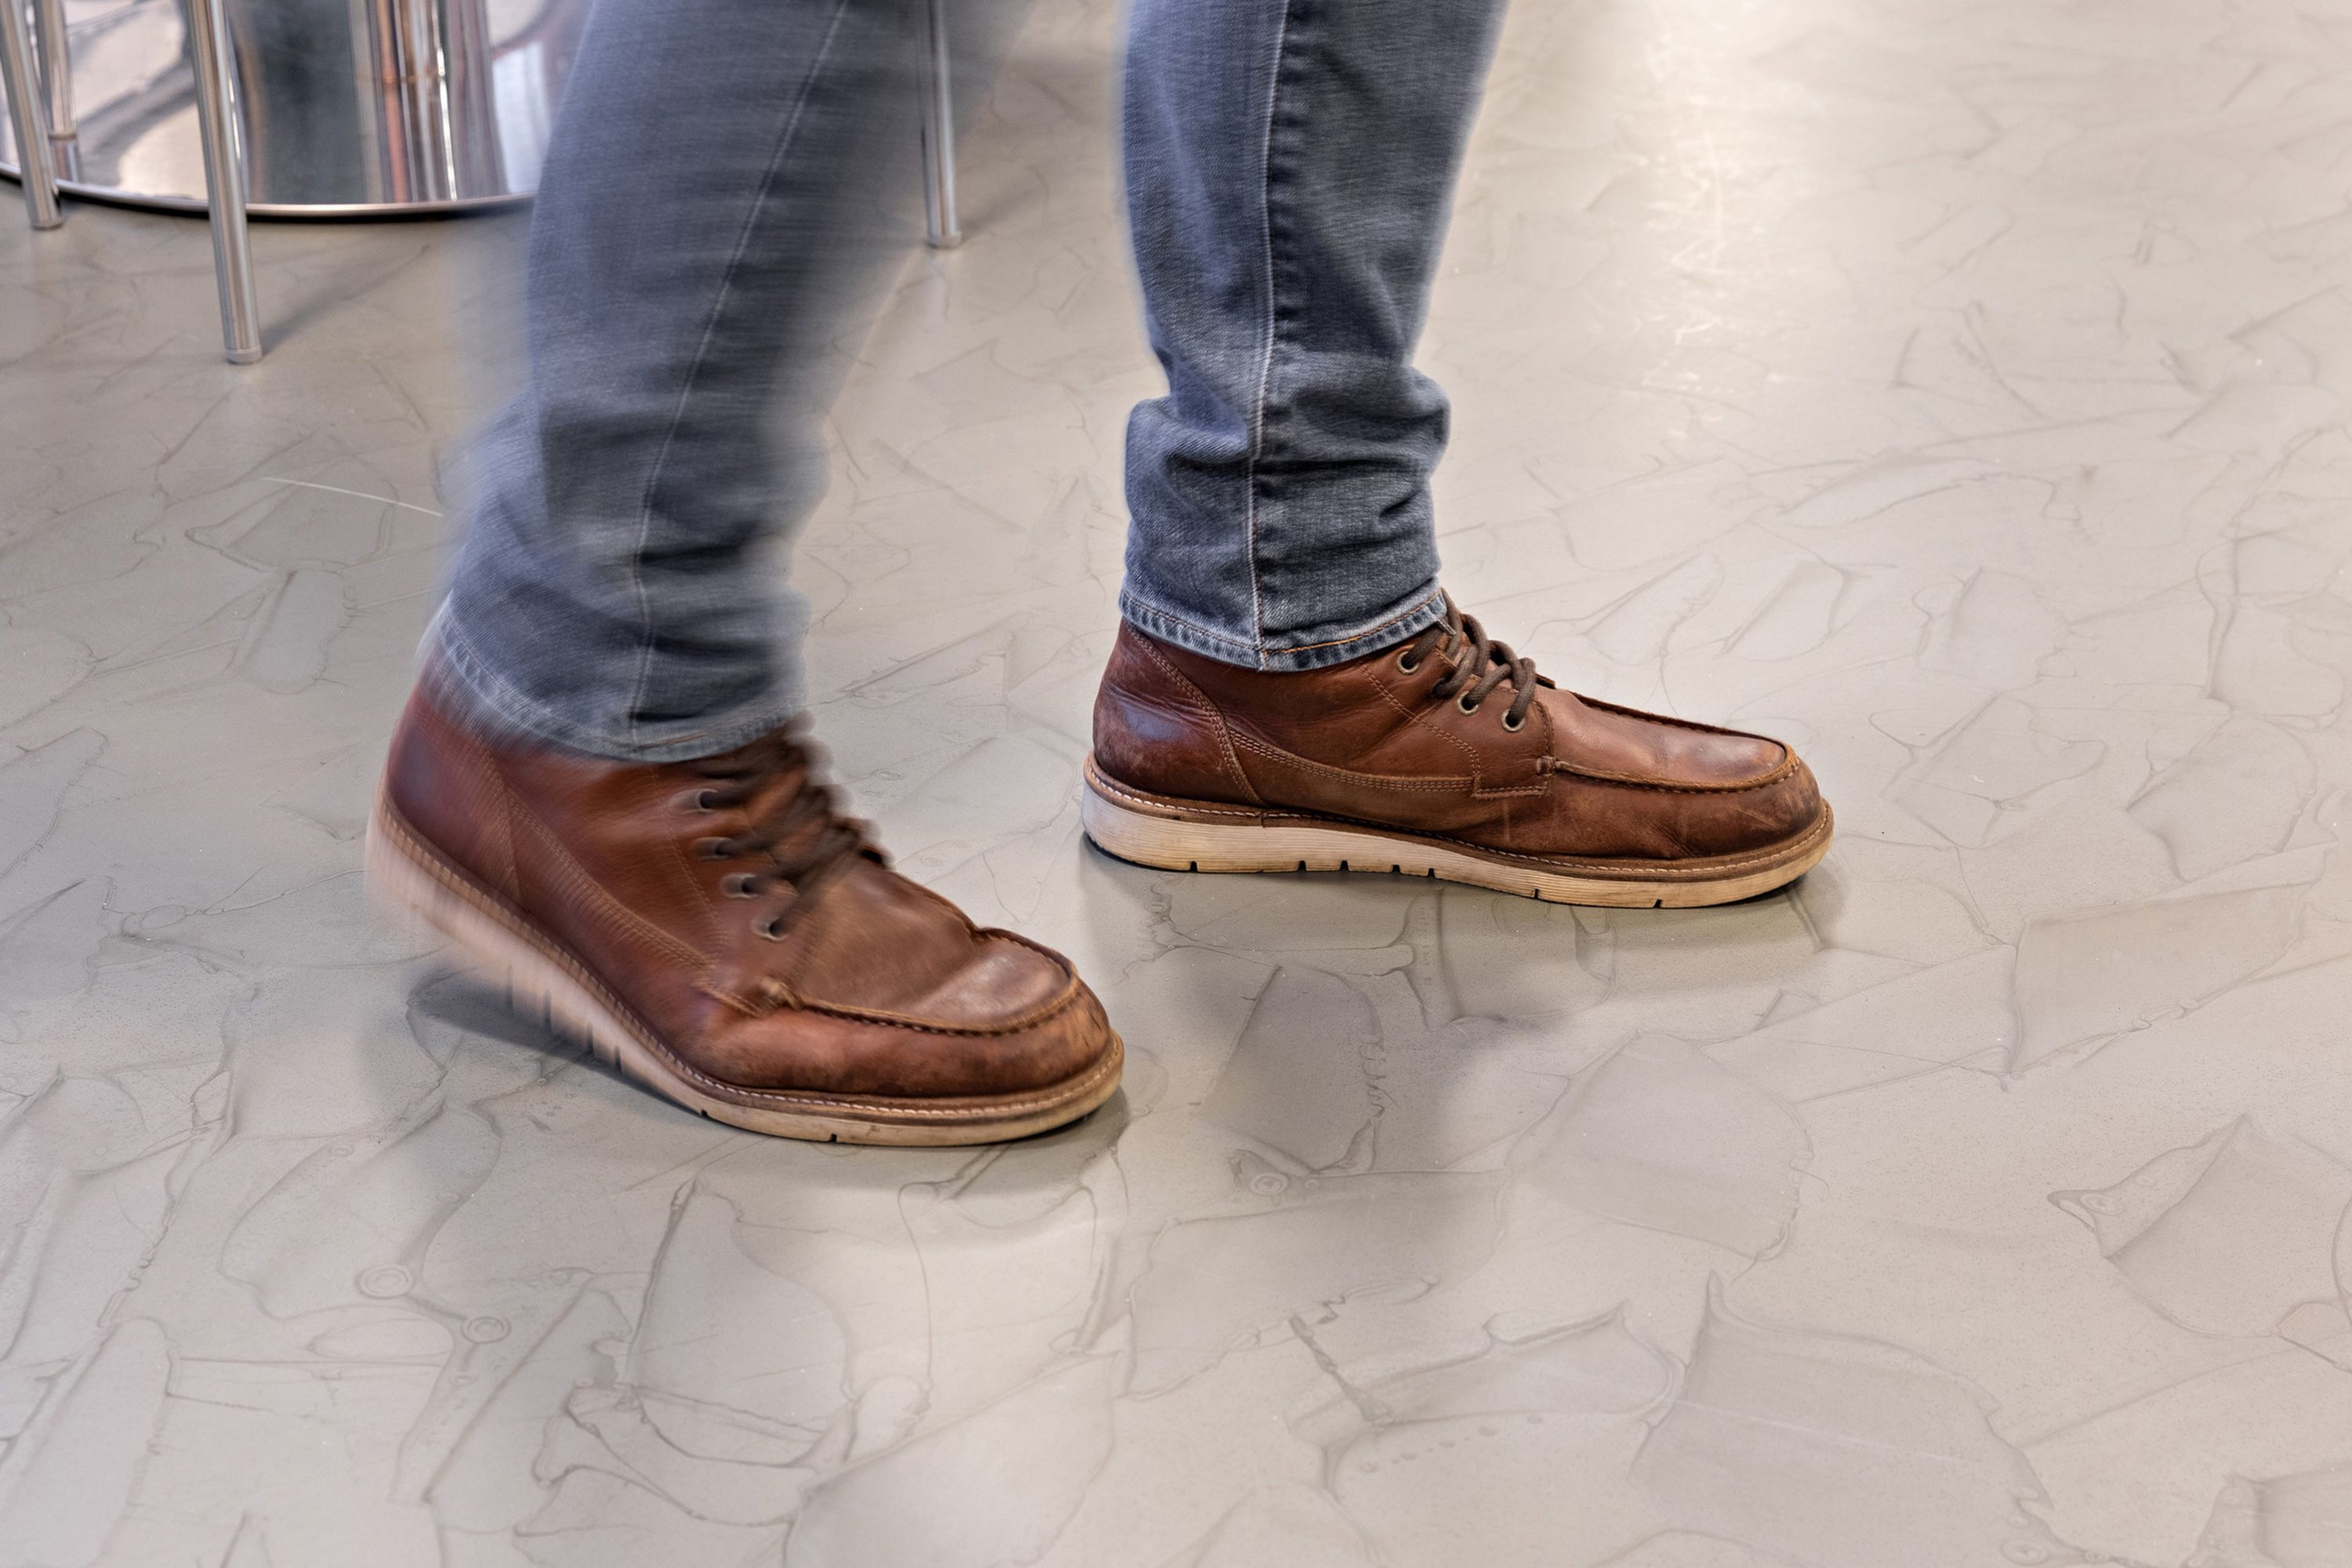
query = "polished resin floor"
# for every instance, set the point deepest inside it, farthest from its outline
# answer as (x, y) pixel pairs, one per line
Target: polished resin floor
(1959, 390)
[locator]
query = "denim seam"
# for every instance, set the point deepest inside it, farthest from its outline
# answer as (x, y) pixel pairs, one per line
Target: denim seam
(703, 350)
(1273, 331)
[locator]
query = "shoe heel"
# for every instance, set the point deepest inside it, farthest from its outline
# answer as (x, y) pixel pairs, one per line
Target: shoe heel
(1172, 843)
(405, 893)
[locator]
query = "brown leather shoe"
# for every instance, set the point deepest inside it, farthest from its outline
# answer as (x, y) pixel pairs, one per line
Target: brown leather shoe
(1446, 757)
(720, 933)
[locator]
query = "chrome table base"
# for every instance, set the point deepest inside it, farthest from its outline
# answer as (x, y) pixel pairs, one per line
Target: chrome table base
(380, 107)
(322, 109)
(222, 126)
(25, 116)
(940, 224)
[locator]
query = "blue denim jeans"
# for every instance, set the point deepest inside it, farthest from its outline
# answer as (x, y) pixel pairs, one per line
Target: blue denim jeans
(726, 178)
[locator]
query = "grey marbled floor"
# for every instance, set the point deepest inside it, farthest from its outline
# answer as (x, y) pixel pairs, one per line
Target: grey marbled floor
(1958, 389)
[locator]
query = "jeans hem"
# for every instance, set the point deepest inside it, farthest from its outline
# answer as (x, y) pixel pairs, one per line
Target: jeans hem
(456, 674)
(1418, 612)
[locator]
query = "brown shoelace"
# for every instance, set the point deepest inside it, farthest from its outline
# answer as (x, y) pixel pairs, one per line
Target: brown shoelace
(1482, 665)
(798, 832)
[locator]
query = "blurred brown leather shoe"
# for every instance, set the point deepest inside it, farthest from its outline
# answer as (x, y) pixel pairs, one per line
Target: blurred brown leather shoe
(1446, 757)
(717, 930)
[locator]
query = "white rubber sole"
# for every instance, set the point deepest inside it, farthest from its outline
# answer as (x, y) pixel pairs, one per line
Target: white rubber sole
(544, 982)
(1188, 836)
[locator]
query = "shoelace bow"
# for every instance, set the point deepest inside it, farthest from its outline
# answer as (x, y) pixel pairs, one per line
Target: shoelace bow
(802, 836)
(1483, 665)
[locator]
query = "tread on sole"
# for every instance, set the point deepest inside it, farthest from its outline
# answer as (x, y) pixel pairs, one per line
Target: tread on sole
(1164, 835)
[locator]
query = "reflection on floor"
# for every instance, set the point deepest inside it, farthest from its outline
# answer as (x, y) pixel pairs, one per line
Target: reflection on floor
(1959, 391)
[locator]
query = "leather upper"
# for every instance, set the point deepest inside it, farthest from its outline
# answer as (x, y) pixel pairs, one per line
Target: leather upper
(1366, 740)
(875, 985)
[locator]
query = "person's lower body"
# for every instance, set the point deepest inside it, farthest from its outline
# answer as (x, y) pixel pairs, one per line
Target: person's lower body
(728, 177)
(608, 638)
(596, 790)
(727, 181)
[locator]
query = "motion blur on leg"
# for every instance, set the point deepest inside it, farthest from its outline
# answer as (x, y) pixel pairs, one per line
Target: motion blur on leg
(598, 789)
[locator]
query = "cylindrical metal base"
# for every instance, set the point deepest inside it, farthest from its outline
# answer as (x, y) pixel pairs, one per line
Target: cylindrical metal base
(28, 123)
(217, 118)
(943, 225)
(351, 108)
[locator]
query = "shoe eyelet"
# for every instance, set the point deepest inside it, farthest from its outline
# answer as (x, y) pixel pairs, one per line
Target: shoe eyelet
(737, 885)
(1465, 704)
(711, 848)
(769, 930)
(1513, 728)
(1406, 662)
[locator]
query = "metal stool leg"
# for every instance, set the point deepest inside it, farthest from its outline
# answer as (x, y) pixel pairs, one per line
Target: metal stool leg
(223, 180)
(939, 136)
(26, 119)
(57, 86)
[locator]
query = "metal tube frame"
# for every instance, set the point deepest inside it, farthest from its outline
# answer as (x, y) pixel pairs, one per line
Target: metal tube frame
(27, 118)
(57, 86)
(224, 179)
(942, 228)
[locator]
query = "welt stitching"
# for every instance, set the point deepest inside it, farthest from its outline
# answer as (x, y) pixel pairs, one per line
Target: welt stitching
(1098, 779)
(1463, 845)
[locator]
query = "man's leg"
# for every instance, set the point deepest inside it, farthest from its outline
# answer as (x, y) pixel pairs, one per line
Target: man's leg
(1289, 164)
(1289, 168)
(727, 180)
(594, 790)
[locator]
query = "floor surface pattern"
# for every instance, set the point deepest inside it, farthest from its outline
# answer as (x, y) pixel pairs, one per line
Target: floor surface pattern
(1959, 390)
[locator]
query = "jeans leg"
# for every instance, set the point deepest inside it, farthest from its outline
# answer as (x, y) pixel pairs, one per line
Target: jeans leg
(725, 176)
(1289, 168)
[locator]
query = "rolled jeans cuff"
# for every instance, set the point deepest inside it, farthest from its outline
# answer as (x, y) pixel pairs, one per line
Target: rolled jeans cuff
(1420, 610)
(457, 678)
